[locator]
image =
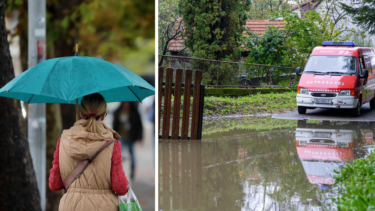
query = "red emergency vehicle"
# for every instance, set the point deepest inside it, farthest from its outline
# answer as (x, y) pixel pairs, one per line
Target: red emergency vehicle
(337, 75)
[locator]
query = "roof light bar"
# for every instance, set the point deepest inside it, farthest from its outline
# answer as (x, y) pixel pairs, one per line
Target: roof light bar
(338, 43)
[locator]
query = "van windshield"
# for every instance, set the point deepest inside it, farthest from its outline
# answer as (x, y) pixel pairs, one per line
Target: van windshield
(321, 168)
(331, 65)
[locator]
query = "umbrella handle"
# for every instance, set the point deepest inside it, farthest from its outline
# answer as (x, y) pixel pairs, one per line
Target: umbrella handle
(76, 54)
(77, 109)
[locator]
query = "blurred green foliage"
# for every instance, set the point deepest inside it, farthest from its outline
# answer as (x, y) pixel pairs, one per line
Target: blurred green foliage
(117, 31)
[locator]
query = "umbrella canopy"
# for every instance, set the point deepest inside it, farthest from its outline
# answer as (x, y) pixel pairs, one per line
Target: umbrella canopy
(65, 79)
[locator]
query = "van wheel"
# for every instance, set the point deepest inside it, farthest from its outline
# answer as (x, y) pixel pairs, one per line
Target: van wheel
(357, 111)
(301, 110)
(372, 103)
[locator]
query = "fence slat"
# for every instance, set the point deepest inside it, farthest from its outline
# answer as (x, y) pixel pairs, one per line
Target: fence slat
(167, 104)
(186, 105)
(160, 87)
(196, 99)
(177, 104)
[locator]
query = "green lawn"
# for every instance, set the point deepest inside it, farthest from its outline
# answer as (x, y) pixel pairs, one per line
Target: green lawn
(253, 104)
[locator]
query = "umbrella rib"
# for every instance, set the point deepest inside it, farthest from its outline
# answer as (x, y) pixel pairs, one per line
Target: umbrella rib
(134, 94)
(49, 74)
(30, 99)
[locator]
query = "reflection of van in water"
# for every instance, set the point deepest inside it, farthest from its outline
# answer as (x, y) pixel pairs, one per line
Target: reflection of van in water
(337, 75)
(323, 150)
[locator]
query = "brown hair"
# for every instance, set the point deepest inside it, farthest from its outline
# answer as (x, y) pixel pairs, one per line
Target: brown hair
(90, 104)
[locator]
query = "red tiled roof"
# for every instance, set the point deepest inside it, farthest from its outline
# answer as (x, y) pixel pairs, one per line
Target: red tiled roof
(258, 26)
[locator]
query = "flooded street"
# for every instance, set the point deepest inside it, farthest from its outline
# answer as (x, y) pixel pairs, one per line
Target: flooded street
(260, 163)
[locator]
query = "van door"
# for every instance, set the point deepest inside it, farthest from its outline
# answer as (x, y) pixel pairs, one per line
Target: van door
(370, 79)
(361, 81)
(372, 76)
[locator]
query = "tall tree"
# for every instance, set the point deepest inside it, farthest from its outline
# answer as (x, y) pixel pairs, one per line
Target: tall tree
(364, 15)
(213, 30)
(19, 189)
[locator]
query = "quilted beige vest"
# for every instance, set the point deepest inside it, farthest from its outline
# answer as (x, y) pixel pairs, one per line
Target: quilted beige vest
(92, 191)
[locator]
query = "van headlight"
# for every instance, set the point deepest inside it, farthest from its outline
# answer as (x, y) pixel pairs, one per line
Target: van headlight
(346, 92)
(303, 91)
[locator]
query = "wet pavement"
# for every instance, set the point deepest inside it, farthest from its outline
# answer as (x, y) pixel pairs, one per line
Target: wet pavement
(330, 114)
(143, 184)
(260, 163)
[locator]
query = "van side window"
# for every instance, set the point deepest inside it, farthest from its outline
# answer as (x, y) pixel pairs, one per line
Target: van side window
(360, 65)
(367, 61)
(373, 62)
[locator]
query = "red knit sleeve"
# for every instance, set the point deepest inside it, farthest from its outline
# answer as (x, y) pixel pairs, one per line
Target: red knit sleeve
(55, 181)
(118, 178)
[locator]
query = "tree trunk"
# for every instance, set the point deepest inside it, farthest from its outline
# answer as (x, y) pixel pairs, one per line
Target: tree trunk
(19, 190)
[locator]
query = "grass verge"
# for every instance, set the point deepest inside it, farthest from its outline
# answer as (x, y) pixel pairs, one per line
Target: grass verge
(254, 104)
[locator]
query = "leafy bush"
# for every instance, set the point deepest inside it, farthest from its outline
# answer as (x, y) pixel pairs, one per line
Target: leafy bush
(357, 185)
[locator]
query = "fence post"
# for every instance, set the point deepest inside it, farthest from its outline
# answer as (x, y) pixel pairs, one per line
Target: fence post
(186, 105)
(160, 88)
(200, 116)
(167, 104)
(290, 78)
(177, 104)
(217, 77)
(196, 99)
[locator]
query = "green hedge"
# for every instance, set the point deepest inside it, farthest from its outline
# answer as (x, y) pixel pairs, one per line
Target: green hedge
(237, 92)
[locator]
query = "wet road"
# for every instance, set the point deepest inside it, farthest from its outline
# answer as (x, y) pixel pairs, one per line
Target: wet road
(260, 164)
(330, 114)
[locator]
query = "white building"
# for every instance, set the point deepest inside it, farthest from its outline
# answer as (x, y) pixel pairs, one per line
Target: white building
(333, 8)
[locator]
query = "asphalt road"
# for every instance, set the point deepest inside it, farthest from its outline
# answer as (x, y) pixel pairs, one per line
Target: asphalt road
(367, 115)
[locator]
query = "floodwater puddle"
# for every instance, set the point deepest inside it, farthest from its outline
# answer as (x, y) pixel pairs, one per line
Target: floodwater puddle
(260, 164)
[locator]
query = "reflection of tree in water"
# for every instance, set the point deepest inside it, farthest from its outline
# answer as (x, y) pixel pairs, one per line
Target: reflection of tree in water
(283, 179)
(271, 176)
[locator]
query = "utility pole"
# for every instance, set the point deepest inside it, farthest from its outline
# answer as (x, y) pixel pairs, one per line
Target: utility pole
(37, 111)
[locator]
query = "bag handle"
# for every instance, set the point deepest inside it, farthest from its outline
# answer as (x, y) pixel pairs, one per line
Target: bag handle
(82, 165)
(130, 193)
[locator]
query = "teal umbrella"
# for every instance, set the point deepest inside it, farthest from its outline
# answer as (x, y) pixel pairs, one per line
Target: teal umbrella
(67, 79)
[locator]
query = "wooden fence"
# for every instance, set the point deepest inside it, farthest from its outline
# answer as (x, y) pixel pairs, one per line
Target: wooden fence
(197, 104)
